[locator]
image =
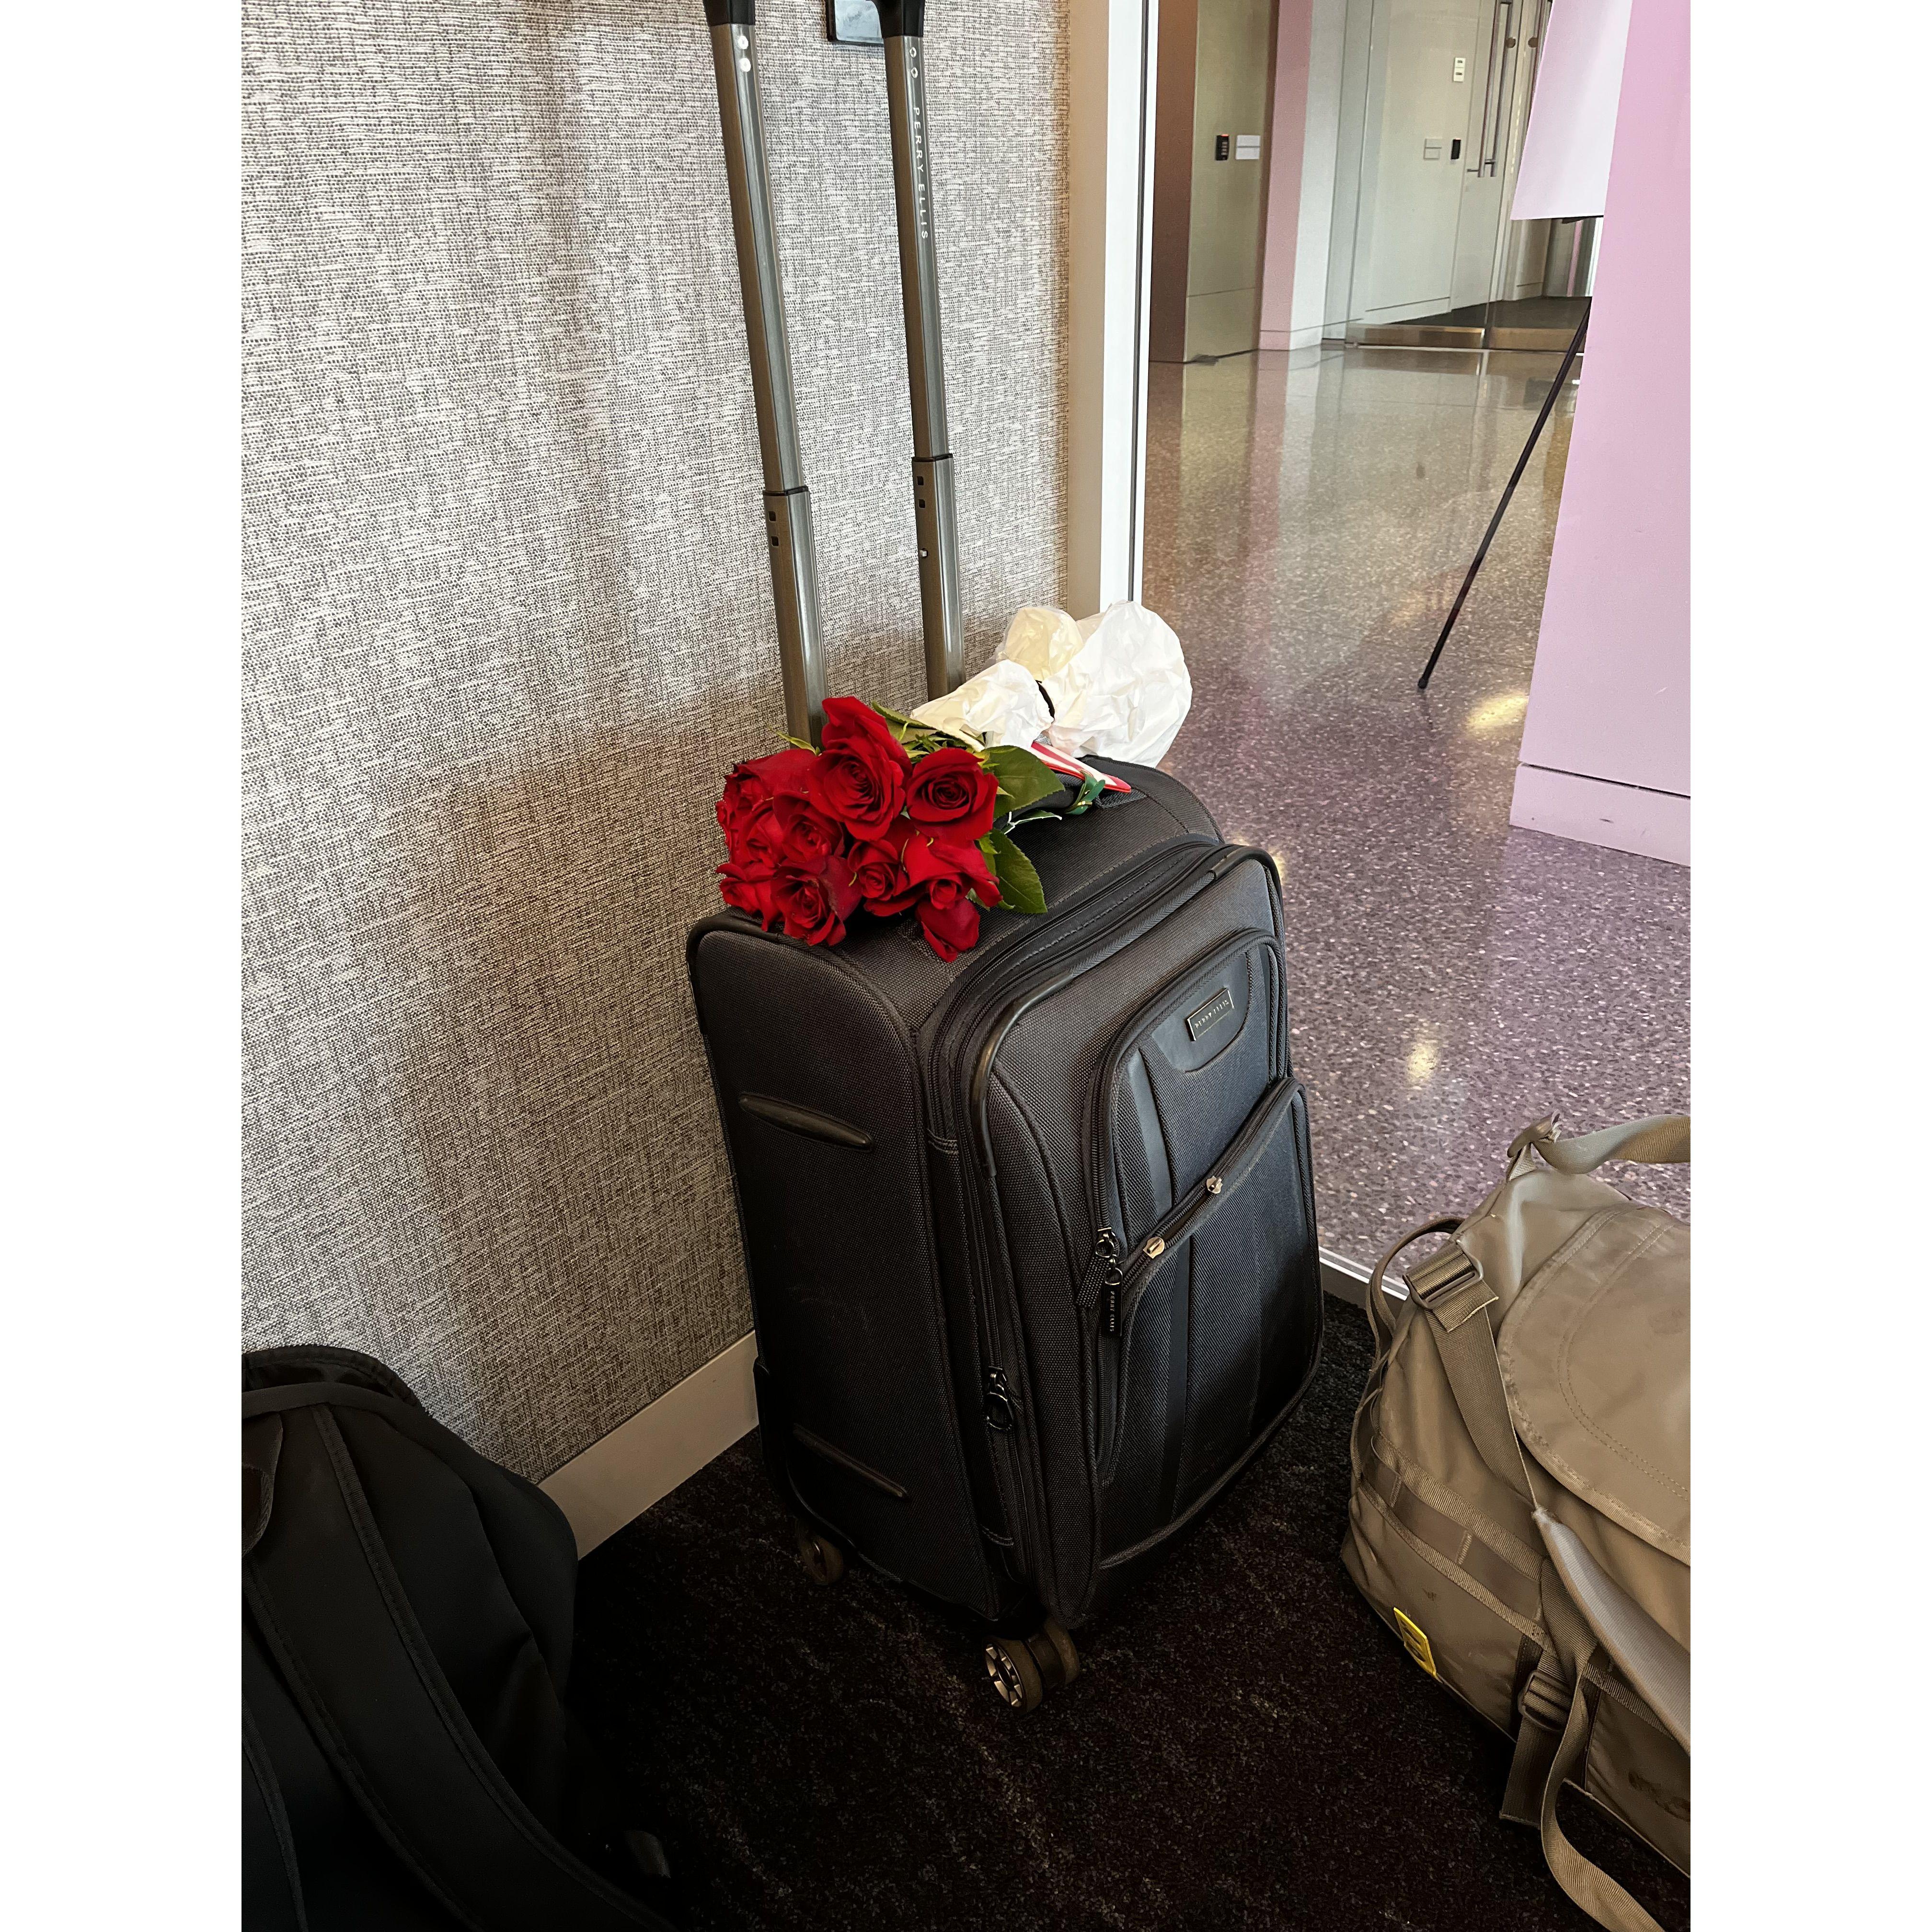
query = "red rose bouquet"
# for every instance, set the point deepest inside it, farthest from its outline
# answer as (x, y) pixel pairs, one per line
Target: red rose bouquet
(887, 817)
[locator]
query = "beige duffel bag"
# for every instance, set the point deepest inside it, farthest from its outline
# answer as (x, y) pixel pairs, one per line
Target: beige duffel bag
(1521, 1510)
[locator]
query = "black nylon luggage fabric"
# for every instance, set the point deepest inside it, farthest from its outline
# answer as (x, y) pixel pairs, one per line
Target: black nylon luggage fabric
(408, 1764)
(1030, 1235)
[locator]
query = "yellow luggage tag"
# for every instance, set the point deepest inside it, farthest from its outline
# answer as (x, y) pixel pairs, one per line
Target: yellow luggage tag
(1414, 1641)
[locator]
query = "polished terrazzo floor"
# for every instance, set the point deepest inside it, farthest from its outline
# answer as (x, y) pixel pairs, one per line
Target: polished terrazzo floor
(1309, 519)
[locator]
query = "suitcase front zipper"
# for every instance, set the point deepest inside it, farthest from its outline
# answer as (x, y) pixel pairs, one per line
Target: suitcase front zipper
(1117, 1286)
(966, 1018)
(975, 997)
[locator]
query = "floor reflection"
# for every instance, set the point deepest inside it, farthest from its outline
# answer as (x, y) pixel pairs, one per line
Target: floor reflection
(1309, 519)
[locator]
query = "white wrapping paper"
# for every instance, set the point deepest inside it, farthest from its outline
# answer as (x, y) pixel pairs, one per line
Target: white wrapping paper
(1117, 682)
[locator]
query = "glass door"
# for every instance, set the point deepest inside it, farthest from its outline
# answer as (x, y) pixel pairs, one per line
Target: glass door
(1435, 103)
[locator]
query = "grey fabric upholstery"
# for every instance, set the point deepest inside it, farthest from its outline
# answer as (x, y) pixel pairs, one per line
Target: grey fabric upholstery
(507, 620)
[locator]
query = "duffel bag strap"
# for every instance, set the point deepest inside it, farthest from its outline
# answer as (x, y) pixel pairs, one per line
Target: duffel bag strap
(1659, 1139)
(1382, 1329)
(1450, 1289)
(1551, 1743)
(1587, 1886)
(1381, 1323)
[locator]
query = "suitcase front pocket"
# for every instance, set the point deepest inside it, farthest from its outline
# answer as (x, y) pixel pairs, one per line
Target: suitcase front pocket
(1205, 1328)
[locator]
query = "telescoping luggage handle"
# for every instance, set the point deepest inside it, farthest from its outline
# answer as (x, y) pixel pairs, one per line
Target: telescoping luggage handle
(902, 23)
(788, 501)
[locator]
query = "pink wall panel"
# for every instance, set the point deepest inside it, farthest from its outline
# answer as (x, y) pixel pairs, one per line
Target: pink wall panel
(1294, 23)
(1609, 699)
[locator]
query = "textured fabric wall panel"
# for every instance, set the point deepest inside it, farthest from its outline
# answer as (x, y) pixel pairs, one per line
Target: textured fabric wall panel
(507, 620)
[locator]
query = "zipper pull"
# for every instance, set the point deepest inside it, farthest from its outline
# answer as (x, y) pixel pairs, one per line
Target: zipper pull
(1112, 1285)
(999, 1401)
(1106, 1255)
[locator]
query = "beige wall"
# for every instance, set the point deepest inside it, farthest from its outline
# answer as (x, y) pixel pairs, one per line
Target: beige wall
(507, 620)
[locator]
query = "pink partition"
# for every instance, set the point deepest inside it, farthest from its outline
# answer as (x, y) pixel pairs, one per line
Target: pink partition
(1605, 753)
(1294, 22)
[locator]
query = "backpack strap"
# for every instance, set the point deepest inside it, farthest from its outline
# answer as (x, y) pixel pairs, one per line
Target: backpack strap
(1659, 1139)
(390, 1726)
(265, 1817)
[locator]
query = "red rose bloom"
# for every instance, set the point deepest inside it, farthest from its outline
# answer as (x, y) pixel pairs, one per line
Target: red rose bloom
(929, 859)
(815, 906)
(952, 788)
(749, 785)
(878, 870)
(860, 774)
(759, 841)
(809, 838)
(948, 918)
(748, 889)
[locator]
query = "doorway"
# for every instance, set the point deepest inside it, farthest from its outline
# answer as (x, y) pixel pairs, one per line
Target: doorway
(1435, 98)
(1212, 158)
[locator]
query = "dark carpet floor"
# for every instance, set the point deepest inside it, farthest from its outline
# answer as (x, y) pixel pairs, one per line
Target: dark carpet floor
(1246, 1746)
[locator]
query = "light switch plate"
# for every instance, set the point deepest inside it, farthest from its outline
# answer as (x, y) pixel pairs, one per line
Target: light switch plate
(852, 23)
(1431, 148)
(1461, 68)
(1247, 147)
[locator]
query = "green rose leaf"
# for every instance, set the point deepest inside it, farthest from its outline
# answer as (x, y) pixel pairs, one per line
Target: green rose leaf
(1020, 888)
(1024, 780)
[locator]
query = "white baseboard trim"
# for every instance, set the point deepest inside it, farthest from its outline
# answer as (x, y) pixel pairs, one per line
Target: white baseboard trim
(1599, 811)
(1346, 1280)
(1308, 337)
(668, 1441)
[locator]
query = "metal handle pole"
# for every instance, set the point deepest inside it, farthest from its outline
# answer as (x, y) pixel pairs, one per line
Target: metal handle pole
(1542, 415)
(787, 502)
(935, 518)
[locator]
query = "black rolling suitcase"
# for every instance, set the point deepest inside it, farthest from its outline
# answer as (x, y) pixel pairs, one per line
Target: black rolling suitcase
(1031, 1234)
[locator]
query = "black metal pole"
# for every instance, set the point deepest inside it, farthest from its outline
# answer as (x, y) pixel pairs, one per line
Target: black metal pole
(1542, 415)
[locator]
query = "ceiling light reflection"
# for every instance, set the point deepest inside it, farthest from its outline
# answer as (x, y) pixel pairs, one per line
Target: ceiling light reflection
(1498, 711)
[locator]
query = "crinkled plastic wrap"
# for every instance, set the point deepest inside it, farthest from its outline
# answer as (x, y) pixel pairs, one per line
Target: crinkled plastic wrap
(1118, 684)
(1002, 706)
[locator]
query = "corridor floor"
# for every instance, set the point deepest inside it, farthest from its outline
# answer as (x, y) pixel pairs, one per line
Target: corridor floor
(1309, 520)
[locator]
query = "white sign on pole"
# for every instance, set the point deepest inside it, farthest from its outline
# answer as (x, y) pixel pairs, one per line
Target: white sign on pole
(1565, 171)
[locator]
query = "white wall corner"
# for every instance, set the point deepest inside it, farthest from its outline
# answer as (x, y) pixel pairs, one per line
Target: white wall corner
(1328, 27)
(668, 1441)
(1600, 811)
(1110, 86)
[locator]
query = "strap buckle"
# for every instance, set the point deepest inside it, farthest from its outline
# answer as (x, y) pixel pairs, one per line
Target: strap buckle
(1545, 1698)
(1450, 1285)
(1544, 1709)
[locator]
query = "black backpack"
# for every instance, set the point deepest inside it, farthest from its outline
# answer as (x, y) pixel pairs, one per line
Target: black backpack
(407, 1760)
